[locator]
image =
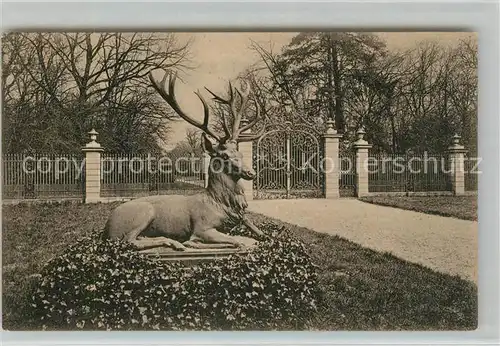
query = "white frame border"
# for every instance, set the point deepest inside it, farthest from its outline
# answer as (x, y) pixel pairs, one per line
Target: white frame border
(480, 16)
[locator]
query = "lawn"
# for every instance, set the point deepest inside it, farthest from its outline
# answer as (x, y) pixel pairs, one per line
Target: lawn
(361, 289)
(463, 207)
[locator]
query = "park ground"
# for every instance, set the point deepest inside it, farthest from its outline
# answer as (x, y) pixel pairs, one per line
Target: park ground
(444, 244)
(464, 207)
(363, 289)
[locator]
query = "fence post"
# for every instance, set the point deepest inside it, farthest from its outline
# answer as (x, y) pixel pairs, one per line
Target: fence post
(456, 153)
(361, 147)
(246, 149)
(331, 166)
(92, 152)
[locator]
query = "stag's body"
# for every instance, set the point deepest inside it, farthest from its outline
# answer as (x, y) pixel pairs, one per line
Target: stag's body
(169, 220)
(197, 220)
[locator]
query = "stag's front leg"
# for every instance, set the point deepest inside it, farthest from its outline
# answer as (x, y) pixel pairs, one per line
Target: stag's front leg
(211, 237)
(143, 243)
(250, 225)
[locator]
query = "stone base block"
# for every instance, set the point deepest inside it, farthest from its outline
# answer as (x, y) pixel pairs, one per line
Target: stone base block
(193, 256)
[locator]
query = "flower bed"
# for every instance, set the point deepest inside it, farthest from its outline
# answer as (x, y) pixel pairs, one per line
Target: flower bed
(98, 284)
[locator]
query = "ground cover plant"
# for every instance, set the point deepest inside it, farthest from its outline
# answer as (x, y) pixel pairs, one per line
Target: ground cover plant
(104, 284)
(463, 207)
(359, 289)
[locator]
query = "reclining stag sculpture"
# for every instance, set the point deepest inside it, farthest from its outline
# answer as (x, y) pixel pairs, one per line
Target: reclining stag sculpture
(196, 221)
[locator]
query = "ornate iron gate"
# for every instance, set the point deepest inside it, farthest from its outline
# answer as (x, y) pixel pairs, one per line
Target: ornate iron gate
(288, 161)
(347, 176)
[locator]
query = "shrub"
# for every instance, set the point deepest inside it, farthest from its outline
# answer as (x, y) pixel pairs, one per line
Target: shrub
(104, 284)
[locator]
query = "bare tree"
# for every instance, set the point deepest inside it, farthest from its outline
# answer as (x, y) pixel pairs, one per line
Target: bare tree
(463, 93)
(86, 79)
(313, 74)
(193, 139)
(288, 99)
(25, 104)
(434, 96)
(409, 99)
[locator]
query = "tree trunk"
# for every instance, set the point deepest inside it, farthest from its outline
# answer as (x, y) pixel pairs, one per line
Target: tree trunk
(337, 81)
(329, 73)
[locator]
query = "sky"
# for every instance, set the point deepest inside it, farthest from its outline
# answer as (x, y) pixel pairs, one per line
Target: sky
(220, 57)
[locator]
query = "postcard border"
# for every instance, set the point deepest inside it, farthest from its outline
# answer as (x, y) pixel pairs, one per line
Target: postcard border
(481, 17)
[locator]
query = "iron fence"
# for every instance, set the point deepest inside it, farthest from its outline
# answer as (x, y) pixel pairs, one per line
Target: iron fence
(288, 165)
(471, 173)
(142, 175)
(408, 173)
(39, 176)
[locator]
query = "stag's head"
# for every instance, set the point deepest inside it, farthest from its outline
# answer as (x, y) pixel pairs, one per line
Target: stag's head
(223, 149)
(225, 158)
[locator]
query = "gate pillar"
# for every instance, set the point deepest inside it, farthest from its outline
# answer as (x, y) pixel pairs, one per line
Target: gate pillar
(246, 149)
(456, 156)
(93, 152)
(361, 146)
(206, 166)
(331, 164)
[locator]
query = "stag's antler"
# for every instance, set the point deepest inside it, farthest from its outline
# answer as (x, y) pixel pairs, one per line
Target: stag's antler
(229, 134)
(172, 101)
(234, 133)
(248, 137)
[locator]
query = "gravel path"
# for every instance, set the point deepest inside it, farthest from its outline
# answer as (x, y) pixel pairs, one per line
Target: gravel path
(444, 244)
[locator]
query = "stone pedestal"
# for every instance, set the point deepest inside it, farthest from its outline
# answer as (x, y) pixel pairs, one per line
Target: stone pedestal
(331, 165)
(361, 147)
(194, 256)
(92, 152)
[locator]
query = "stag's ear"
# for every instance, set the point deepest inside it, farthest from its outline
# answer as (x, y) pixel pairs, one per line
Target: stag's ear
(207, 144)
